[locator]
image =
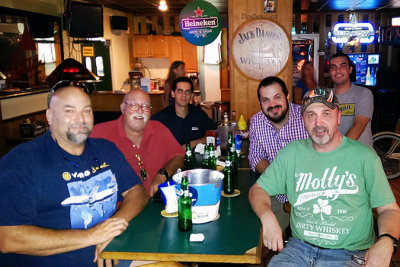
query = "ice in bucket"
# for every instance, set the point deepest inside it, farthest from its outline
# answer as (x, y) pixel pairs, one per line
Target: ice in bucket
(205, 188)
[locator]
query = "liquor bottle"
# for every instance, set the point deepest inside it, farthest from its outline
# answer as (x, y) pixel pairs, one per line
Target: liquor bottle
(233, 118)
(188, 160)
(205, 163)
(229, 183)
(185, 207)
(368, 77)
(212, 160)
(226, 120)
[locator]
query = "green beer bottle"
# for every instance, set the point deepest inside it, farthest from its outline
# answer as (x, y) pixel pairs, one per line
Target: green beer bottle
(185, 207)
(229, 183)
(232, 149)
(205, 164)
(212, 160)
(188, 160)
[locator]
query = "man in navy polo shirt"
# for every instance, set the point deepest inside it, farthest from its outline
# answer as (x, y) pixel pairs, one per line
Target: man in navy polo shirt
(187, 123)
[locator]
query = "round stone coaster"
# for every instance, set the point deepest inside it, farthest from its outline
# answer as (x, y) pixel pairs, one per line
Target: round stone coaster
(235, 193)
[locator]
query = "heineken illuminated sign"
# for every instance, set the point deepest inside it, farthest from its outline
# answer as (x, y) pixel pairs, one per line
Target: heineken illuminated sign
(200, 22)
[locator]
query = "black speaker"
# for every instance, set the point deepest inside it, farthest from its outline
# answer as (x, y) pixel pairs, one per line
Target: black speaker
(85, 20)
(40, 27)
(119, 23)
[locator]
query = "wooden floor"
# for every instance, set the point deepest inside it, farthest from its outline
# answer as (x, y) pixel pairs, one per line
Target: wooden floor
(395, 184)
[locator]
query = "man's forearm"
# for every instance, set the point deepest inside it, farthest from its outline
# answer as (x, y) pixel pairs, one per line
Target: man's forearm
(389, 220)
(174, 164)
(34, 240)
(261, 166)
(359, 124)
(135, 199)
(194, 143)
(260, 201)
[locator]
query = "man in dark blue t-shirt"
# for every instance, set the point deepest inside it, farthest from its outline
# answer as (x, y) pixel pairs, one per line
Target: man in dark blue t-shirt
(186, 122)
(59, 192)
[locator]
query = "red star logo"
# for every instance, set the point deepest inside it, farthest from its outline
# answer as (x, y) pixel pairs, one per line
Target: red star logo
(199, 12)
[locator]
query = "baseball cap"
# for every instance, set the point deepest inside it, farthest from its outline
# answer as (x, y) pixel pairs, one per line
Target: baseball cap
(320, 95)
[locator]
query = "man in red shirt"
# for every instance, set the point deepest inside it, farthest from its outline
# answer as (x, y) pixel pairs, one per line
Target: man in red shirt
(148, 146)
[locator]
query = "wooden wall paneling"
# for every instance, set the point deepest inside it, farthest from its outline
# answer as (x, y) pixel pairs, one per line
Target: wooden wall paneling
(223, 66)
(167, 24)
(177, 23)
(154, 23)
(243, 90)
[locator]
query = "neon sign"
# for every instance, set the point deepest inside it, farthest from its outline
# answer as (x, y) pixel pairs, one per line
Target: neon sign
(342, 32)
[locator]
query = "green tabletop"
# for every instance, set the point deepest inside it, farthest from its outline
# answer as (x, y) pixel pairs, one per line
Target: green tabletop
(234, 237)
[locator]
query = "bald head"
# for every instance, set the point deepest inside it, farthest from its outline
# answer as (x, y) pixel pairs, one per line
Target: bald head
(70, 116)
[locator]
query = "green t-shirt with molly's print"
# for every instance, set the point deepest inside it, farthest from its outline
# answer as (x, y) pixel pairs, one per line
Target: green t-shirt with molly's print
(331, 193)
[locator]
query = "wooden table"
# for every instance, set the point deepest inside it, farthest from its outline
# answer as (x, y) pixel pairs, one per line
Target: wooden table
(233, 238)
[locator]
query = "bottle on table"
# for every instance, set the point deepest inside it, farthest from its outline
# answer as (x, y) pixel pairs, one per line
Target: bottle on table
(206, 161)
(185, 207)
(232, 149)
(226, 120)
(233, 118)
(212, 160)
(188, 160)
(229, 181)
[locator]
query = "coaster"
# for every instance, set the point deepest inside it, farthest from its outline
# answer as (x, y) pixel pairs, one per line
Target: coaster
(169, 215)
(235, 193)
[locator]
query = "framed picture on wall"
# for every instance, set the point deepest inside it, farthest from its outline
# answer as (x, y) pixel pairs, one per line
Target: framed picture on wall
(269, 5)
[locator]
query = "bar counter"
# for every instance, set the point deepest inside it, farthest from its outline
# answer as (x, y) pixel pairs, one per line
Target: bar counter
(109, 101)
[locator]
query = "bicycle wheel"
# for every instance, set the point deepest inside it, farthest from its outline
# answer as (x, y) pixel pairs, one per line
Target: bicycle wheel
(387, 146)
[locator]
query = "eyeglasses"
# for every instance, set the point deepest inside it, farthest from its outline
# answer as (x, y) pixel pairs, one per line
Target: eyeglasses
(135, 106)
(358, 260)
(142, 170)
(181, 92)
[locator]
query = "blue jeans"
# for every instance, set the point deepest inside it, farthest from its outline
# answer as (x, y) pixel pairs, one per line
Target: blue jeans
(298, 254)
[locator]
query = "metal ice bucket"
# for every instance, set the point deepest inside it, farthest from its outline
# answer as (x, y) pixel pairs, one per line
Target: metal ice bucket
(205, 188)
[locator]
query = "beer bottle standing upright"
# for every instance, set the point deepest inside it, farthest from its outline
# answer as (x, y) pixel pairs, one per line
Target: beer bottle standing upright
(185, 207)
(188, 160)
(205, 164)
(229, 183)
(212, 160)
(232, 149)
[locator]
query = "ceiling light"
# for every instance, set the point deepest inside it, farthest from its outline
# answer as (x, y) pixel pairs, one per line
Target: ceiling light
(163, 5)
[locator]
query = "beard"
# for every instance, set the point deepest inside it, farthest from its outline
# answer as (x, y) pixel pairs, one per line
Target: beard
(81, 136)
(320, 140)
(277, 118)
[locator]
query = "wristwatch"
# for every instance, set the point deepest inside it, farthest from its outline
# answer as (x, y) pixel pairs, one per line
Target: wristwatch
(394, 239)
(163, 171)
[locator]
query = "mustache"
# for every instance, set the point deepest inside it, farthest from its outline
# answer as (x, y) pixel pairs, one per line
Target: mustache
(80, 125)
(317, 128)
(136, 114)
(271, 108)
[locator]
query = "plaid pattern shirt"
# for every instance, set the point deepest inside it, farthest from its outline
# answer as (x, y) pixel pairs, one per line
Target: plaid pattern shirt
(265, 141)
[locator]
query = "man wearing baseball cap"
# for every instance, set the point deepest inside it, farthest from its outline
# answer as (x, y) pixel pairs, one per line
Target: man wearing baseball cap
(332, 183)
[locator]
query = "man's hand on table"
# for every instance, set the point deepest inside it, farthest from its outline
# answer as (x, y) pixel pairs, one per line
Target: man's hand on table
(272, 233)
(103, 262)
(103, 233)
